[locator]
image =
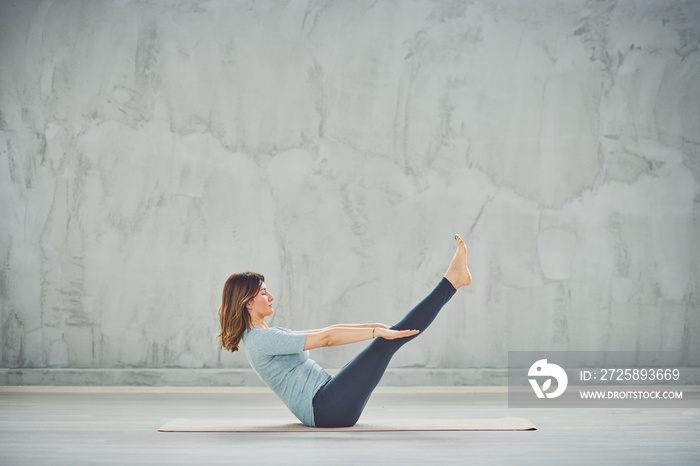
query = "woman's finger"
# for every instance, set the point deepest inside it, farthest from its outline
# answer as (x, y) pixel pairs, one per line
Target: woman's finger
(406, 333)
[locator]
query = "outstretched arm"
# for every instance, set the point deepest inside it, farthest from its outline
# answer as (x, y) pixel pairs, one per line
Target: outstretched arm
(375, 325)
(360, 325)
(339, 335)
(351, 326)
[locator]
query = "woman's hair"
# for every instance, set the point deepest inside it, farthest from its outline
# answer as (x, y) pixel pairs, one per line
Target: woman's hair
(233, 315)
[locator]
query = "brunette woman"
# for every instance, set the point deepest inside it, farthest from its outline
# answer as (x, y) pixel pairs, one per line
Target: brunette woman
(280, 356)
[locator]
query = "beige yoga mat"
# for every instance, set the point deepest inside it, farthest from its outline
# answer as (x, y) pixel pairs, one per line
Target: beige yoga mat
(392, 425)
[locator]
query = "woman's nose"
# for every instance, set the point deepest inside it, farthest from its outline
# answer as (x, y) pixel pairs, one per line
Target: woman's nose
(270, 297)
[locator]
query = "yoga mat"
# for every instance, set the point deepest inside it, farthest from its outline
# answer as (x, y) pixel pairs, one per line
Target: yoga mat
(392, 425)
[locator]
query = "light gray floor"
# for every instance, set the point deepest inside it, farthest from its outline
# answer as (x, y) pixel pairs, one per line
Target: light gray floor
(69, 425)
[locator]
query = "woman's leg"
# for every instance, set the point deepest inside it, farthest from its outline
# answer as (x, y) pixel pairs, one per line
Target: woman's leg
(341, 401)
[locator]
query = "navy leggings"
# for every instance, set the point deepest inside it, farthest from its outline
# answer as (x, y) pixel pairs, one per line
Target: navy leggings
(340, 402)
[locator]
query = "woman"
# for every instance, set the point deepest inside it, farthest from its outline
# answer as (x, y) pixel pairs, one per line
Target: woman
(281, 357)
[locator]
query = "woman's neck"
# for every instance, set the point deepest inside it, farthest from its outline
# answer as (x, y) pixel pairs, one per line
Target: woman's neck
(259, 323)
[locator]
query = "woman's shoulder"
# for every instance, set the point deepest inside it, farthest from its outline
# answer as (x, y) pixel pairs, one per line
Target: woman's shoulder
(268, 329)
(272, 341)
(265, 332)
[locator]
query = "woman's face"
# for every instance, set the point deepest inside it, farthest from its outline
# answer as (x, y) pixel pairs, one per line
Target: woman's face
(261, 305)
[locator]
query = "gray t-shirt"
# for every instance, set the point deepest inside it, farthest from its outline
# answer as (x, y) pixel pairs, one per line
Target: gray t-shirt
(278, 357)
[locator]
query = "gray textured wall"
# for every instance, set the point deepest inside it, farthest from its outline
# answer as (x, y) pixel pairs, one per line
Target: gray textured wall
(149, 149)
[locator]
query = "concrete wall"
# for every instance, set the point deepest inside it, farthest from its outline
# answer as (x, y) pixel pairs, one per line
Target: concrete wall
(149, 149)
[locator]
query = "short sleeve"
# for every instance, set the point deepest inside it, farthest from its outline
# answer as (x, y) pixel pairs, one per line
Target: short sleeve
(278, 341)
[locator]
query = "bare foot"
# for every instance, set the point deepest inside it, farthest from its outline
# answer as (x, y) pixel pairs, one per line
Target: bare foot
(458, 273)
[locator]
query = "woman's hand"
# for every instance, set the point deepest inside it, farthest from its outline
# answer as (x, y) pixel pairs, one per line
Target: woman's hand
(389, 334)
